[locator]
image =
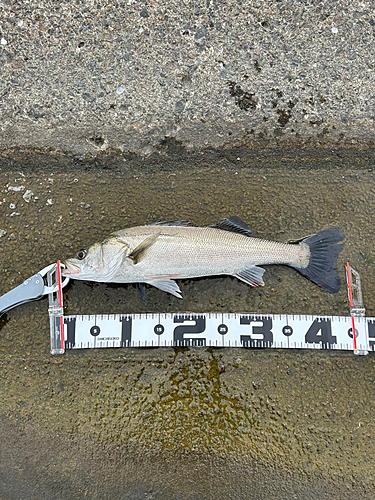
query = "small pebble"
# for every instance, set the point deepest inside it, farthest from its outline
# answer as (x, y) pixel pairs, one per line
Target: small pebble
(49, 202)
(20, 23)
(3, 41)
(120, 89)
(334, 30)
(27, 195)
(12, 205)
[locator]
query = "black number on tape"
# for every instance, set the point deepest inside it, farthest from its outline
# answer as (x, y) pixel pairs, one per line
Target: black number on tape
(320, 332)
(350, 333)
(71, 333)
(287, 330)
(265, 331)
(159, 329)
(180, 333)
(222, 329)
(371, 334)
(126, 331)
(94, 331)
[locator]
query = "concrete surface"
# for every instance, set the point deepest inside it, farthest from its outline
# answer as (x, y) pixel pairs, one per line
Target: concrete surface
(184, 424)
(86, 76)
(87, 85)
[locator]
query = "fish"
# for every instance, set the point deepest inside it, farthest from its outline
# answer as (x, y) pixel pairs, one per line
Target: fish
(162, 252)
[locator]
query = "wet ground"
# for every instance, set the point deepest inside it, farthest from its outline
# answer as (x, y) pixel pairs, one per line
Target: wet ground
(185, 423)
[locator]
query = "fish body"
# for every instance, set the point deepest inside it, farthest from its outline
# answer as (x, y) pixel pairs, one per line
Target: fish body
(158, 254)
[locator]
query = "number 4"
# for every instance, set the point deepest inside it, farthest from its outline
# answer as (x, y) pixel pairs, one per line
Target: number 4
(320, 331)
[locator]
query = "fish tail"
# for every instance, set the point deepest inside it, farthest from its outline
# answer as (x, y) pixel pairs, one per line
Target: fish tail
(324, 251)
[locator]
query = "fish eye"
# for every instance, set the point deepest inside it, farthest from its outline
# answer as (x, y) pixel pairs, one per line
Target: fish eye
(81, 254)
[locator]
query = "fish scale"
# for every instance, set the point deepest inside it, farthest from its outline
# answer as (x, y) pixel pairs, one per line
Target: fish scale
(206, 251)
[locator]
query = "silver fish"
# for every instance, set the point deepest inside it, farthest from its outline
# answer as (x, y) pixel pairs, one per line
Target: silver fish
(159, 253)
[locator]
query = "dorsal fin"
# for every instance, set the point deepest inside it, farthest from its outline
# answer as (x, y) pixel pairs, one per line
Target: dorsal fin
(171, 223)
(235, 225)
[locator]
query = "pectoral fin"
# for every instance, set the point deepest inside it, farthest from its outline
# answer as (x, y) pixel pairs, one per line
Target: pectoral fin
(139, 252)
(169, 286)
(252, 276)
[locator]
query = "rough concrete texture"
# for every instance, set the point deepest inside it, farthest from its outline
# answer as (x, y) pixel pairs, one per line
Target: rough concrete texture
(186, 425)
(84, 76)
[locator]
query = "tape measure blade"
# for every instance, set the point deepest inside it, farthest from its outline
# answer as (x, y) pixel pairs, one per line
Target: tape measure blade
(218, 330)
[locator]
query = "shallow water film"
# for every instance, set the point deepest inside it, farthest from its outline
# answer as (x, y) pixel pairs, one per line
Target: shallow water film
(185, 423)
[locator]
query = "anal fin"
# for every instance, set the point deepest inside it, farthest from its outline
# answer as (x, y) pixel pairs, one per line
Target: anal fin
(252, 276)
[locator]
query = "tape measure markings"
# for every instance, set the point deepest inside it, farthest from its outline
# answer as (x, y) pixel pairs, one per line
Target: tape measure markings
(214, 329)
(217, 330)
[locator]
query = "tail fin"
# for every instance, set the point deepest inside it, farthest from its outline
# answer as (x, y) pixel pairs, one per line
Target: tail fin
(324, 250)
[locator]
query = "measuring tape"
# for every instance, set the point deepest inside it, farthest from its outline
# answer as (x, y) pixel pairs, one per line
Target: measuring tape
(215, 330)
(355, 332)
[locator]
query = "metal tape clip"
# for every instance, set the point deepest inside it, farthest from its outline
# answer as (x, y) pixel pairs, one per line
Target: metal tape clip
(55, 309)
(31, 289)
(357, 309)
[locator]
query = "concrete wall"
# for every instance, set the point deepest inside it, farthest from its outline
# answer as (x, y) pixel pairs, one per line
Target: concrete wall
(85, 76)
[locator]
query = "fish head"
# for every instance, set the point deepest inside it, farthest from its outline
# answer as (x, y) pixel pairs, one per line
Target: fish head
(99, 262)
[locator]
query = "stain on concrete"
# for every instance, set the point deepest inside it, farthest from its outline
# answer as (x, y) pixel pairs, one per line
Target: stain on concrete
(244, 100)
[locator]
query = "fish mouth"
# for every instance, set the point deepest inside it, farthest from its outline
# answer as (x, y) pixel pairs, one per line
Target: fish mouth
(70, 269)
